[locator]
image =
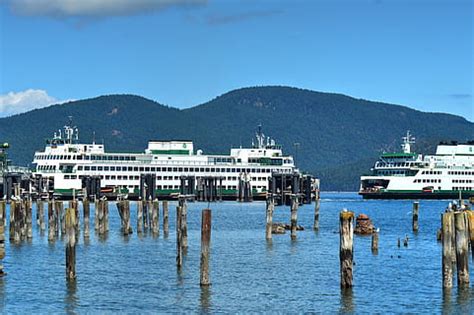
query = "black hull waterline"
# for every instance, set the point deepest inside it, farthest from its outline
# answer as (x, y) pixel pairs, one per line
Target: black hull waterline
(420, 195)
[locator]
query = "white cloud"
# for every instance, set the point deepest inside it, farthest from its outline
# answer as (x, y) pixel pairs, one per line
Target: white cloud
(93, 8)
(20, 102)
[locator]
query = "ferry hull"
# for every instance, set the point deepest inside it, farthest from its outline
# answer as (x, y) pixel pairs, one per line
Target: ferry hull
(416, 195)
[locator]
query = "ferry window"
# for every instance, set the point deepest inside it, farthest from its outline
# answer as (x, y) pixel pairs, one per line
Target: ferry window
(186, 169)
(159, 187)
(93, 157)
(137, 177)
(233, 170)
(239, 160)
(121, 158)
(93, 168)
(180, 169)
(135, 169)
(73, 176)
(66, 176)
(191, 169)
(79, 168)
(213, 170)
(106, 168)
(133, 158)
(127, 158)
(119, 177)
(147, 169)
(130, 168)
(153, 169)
(109, 158)
(201, 169)
(68, 157)
(112, 177)
(115, 158)
(112, 168)
(125, 177)
(87, 157)
(107, 176)
(158, 177)
(141, 169)
(99, 168)
(175, 169)
(218, 169)
(248, 170)
(207, 169)
(87, 168)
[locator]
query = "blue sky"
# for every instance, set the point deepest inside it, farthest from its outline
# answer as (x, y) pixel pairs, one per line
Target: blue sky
(181, 53)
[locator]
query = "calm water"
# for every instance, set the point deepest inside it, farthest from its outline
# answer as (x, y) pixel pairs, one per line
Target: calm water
(138, 274)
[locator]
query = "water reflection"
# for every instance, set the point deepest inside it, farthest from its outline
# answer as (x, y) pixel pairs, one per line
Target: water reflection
(205, 298)
(71, 299)
(2, 291)
(447, 305)
(347, 301)
(269, 244)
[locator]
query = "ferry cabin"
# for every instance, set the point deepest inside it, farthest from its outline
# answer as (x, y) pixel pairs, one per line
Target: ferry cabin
(446, 174)
(66, 163)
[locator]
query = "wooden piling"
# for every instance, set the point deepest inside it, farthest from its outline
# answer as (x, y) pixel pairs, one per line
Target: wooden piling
(70, 220)
(139, 216)
(179, 246)
(205, 246)
(86, 212)
(294, 216)
(317, 204)
(29, 219)
(18, 221)
(166, 228)
(3, 213)
(59, 218)
(346, 231)
(462, 248)
(11, 233)
(470, 220)
(184, 224)
(155, 213)
(270, 208)
(375, 242)
(102, 217)
(416, 206)
(51, 221)
(23, 225)
(40, 214)
(447, 260)
(96, 215)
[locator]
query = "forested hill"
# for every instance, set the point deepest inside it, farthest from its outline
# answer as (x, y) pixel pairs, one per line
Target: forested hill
(339, 136)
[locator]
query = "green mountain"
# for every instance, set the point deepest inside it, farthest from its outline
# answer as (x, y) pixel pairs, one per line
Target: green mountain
(339, 136)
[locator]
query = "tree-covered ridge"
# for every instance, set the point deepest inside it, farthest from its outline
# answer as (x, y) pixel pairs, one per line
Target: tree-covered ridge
(339, 136)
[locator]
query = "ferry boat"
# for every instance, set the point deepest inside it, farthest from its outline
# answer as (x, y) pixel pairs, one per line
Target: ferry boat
(449, 174)
(65, 162)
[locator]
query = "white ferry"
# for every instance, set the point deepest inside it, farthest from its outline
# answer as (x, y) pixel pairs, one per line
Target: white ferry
(65, 162)
(448, 174)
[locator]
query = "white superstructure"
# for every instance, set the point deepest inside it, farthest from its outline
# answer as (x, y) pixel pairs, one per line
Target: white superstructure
(447, 174)
(66, 161)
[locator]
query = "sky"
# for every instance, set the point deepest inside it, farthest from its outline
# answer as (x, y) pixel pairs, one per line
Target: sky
(182, 53)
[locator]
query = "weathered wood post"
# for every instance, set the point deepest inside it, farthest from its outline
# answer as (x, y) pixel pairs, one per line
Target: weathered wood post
(155, 213)
(86, 213)
(40, 213)
(106, 216)
(317, 204)
(270, 207)
(23, 224)
(462, 248)
(29, 219)
(416, 206)
(205, 246)
(179, 231)
(102, 217)
(346, 231)
(3, 214)
(18, 221)
(184, 224)
(294, 216)
(70, 243)
(470, 219)
(12, 221)
(140, 216)
(59, 218)
(51, 221)
(96, 215)
(166, 228)
(375, 242)
(447, 260)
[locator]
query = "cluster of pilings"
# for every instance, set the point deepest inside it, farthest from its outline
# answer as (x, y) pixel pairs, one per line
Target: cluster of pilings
(244, 192)
(283, 186)
(3, 222)
(209, 188)
(20, 220)
(457, 231)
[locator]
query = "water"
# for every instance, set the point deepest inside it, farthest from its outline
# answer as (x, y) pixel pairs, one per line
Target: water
(138, 274)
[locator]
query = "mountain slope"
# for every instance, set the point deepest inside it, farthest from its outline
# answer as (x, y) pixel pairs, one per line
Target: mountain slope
(339, 137)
